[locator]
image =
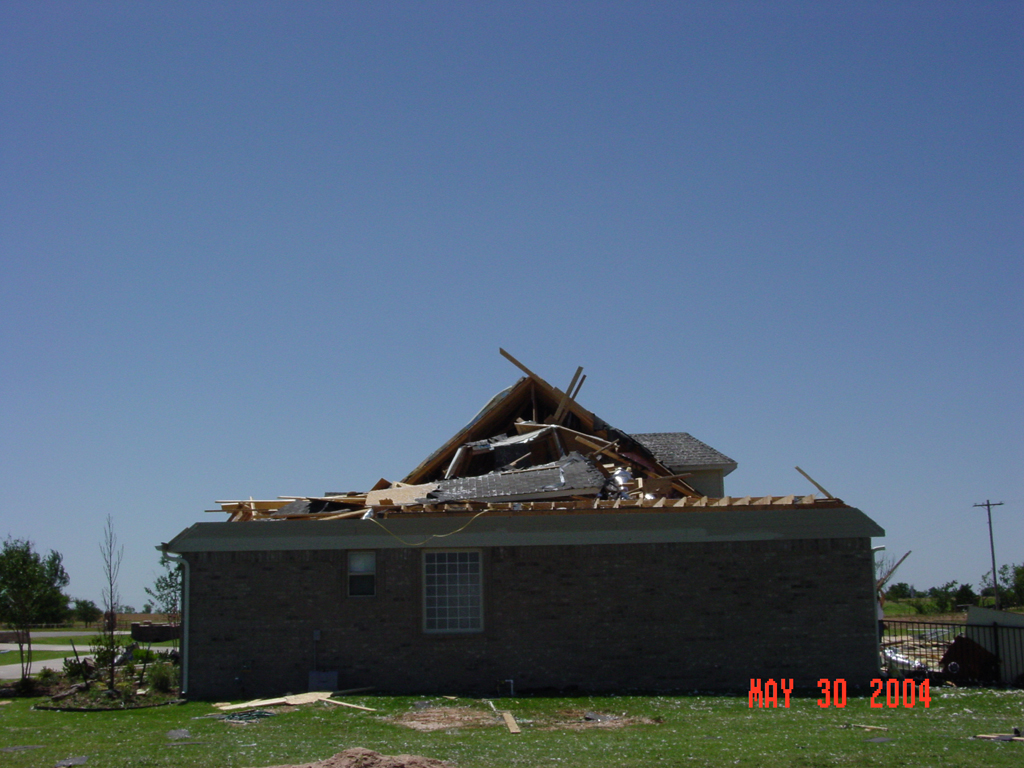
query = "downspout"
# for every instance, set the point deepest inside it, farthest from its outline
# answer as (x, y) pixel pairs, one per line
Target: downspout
(185, 611)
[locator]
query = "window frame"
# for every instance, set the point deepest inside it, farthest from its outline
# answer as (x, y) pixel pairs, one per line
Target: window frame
(350, 573)
(477, 611)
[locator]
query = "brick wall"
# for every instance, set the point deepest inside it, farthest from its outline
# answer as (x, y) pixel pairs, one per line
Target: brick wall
(605, 617)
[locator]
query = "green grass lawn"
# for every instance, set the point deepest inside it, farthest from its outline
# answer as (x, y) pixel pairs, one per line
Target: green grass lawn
(680, 731)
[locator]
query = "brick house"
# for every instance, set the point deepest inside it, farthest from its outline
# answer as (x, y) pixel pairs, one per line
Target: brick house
(541, 548)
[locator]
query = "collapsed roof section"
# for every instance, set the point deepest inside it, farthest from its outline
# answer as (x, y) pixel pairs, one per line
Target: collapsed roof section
(534, 449)
(570, 475)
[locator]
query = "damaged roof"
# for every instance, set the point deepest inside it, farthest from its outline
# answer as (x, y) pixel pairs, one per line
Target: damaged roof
(533, 449)
(682, 450)
(572, 474)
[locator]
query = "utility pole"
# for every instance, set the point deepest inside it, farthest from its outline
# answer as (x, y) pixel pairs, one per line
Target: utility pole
(991, 542)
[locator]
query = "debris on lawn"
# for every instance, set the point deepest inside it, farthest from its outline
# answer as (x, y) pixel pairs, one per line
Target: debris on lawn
(1000, 736)
(249, 716)
(510, 722)
(76, 688)
(347, 704)
(578, 719)
(359, 757)
(293, 700)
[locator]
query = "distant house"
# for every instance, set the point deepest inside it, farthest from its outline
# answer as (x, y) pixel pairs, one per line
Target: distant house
(541, 548)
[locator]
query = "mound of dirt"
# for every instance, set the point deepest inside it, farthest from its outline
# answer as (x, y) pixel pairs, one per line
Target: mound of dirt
(358, 757)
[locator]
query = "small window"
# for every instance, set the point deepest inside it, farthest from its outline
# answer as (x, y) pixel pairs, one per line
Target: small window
(452, 592)
(362, 574)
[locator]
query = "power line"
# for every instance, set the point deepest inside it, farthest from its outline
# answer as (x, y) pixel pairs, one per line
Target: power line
(991, 542)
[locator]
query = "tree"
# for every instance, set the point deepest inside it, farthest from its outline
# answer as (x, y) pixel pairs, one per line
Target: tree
(166, 591)
(112, 555)
(1017, 584)
(965, 595)
(899, 591)
(944, 596)
(30, 592)
(85, 611)
(1011, 584)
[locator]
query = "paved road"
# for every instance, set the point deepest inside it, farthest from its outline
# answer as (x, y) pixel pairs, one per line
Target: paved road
(13, 671)
(10, 667)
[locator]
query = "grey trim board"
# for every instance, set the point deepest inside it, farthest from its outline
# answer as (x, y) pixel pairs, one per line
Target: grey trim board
(496, 530)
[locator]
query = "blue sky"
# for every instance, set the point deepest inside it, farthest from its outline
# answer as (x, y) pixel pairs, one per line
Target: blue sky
(268, 248)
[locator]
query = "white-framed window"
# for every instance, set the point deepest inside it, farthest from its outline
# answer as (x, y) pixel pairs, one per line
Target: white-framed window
(452, 591)
(362, 573)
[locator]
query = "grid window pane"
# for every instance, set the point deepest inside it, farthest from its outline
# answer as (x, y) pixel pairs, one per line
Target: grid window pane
(452, 592)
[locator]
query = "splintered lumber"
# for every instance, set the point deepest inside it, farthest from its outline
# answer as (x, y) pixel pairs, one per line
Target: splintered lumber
(814, 482)
(608, 449)
(510, 721)
(882, 581)
(404, 495)
(566, 397)
(294, 700)
(333, 515)
(307, 698)
(255, 703)
(999, 737)
(578, 388)
(346, 704)
(585, 416)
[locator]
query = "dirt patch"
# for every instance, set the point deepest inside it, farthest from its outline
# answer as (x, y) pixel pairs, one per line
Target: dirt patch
(447, 718)
(580, 719)
(444, 718)
(358, 757)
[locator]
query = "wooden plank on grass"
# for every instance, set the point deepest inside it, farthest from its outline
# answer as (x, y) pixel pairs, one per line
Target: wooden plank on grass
(510, 721)
(255, 703)
(346, 704)
(307, 698)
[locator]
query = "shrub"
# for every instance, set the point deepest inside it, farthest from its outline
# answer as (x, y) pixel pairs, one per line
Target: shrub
(26, 686)
(47, 676)
(162, 677)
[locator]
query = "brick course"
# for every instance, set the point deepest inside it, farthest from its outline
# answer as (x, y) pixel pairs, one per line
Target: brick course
(609, 617)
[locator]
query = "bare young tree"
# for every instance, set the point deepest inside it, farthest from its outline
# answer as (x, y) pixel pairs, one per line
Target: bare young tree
(112, 555)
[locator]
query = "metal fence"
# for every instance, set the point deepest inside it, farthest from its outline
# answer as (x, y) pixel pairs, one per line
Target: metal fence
(963, 653)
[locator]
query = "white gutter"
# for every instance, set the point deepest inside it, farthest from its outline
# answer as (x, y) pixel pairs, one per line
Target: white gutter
(186, 582)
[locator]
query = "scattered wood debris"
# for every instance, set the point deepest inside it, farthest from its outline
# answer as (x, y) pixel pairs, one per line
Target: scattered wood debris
(291, 700)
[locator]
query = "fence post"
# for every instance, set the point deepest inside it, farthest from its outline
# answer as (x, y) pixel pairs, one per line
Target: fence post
(999, 657)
